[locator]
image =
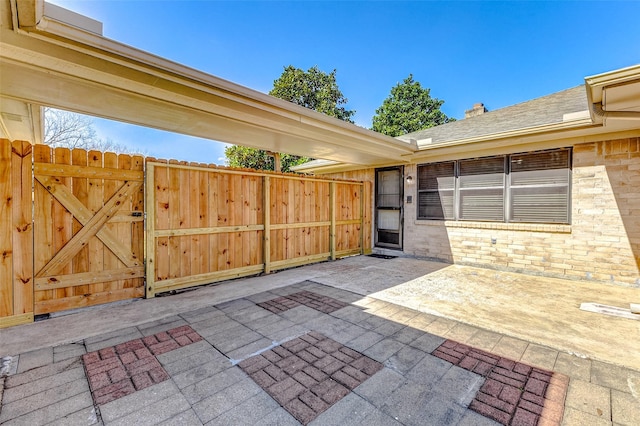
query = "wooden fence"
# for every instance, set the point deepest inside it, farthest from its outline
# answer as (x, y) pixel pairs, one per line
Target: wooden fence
(207, 224)
(72, 231)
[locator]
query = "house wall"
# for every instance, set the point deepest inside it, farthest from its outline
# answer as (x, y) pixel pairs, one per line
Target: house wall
(601, 244)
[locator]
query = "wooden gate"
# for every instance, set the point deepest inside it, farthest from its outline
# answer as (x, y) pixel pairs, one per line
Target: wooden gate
(207, 224)
(88, 228)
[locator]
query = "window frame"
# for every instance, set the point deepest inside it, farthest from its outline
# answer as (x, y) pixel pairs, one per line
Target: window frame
(453, 190)
(484, 188)
(507, 188)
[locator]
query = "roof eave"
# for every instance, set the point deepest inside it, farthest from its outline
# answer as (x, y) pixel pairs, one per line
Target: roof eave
(597, 83)
(519, 133)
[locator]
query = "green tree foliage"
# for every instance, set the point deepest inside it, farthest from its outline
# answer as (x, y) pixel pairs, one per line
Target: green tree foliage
(408, 108)
(313, 89)
(242, 156)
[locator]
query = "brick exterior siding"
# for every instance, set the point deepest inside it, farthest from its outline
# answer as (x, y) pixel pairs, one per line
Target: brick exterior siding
(601, 244)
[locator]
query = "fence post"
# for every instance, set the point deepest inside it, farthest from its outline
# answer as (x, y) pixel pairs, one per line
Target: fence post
(332, 213)
(150, 238)
(362, 218)
(266, 198)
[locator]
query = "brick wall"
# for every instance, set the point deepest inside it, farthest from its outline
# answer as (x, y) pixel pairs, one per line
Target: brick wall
(601, 244)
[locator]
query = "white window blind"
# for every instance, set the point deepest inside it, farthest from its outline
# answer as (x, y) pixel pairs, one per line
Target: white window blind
(532, 187)
(540, 189)
(436, 191)
(481, 191)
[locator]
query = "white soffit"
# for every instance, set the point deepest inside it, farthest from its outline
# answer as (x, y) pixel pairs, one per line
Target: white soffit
(19, 121)
(622, 97)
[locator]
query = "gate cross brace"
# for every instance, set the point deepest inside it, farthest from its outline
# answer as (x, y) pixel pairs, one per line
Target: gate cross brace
(92, 224)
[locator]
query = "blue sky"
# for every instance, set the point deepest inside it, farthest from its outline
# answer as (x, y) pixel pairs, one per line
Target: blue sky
(498, 53)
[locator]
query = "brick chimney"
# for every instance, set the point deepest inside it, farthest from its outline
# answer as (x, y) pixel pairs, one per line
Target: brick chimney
(478, 109)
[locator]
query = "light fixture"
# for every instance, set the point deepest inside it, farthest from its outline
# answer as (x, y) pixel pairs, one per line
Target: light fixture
(409, 179)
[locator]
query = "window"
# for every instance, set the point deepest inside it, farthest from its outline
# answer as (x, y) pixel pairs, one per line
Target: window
(436, 189)
(531, 187)
(540, 187)
(481, 189)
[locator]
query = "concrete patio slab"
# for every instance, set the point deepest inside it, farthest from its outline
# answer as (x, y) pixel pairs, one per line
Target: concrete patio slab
(403, 326)
(534, 309)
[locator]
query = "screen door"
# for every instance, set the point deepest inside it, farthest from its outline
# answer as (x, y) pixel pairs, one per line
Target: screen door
(389, 195)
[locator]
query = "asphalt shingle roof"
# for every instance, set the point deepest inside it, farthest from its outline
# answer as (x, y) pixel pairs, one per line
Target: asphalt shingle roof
(537, 112)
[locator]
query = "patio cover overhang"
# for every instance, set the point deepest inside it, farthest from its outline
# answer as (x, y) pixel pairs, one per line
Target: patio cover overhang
(53, 57)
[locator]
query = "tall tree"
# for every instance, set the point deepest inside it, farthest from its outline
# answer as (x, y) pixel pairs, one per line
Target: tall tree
(65, 129)
(408, 108)
(68, 130)
(313, 89)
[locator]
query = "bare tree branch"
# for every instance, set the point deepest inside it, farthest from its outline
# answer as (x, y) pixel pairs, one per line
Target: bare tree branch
(64, 129)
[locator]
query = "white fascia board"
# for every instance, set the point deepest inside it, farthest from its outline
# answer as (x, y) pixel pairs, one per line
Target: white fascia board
(82, 22)
(335, 168)
(597, 82)
(530, 143)
(573, 116)
(314, 164)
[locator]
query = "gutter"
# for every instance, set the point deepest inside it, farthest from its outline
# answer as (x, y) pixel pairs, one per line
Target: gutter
(601, 115)
(596, 86)
(329, 166)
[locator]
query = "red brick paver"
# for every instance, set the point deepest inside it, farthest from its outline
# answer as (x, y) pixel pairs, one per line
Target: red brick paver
(324, 304)
(513, 393)
(309, 374)
(120, 370)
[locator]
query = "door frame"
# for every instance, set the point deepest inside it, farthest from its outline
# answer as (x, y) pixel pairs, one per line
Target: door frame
(377, 243)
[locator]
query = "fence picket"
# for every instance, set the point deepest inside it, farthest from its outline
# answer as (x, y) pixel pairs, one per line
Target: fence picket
(21, 183)
(80, 185)
(94, 203)
(6, 226)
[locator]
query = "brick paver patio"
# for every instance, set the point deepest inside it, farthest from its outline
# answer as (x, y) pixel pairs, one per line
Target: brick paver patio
(117, 371)
(309, 374)
(513, 392)
(310, 354)
(310, 299)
